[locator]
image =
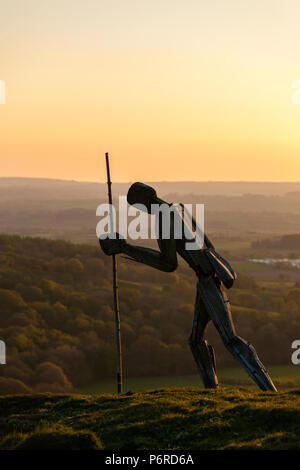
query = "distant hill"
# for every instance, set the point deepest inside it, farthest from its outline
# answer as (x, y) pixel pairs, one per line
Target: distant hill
(66, 209)
(292, 242)
(73, 189)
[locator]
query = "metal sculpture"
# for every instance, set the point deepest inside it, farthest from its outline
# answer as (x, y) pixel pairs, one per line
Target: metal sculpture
(213, 273)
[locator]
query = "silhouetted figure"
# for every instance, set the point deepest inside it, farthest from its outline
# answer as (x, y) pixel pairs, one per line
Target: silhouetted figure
(213, 273)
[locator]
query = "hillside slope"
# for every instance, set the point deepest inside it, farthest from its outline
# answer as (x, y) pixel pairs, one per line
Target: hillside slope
(57, 318)
(156, 419)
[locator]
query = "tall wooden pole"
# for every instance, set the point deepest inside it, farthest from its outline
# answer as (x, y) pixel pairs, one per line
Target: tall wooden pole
(115, 290)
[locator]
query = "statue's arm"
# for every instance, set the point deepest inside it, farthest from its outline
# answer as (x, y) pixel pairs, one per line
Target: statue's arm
(164, 260)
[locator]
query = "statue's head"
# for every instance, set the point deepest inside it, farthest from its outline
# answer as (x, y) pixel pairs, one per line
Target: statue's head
(140, 193)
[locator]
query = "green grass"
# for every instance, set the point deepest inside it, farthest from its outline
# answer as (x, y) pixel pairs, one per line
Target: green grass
(143, 383)
(129, 284)
(161, 419)
(275, 285)
(284, 376)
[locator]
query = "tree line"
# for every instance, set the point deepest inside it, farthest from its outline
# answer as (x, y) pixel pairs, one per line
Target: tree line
(57, 321)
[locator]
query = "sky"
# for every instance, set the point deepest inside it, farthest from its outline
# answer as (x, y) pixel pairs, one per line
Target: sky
(174, 90)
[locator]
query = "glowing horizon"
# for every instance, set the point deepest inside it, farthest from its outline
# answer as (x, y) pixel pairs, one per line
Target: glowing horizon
(174, 91)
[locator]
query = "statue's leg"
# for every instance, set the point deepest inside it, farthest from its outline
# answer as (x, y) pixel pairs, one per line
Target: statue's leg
(202, 351)
(218, 308)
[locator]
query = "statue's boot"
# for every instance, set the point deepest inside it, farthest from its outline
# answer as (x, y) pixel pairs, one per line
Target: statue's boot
(247, 356)
(205, 359)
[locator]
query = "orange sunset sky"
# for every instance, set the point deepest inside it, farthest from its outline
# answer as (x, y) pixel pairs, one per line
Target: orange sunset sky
(173, 89)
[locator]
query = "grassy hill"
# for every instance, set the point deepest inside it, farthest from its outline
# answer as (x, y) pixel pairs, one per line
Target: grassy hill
(165, 419)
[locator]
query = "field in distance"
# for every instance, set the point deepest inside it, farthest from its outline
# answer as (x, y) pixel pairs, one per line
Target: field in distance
(283, 376)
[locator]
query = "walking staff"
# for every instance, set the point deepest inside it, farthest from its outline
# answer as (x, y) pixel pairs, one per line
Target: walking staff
(115, 289)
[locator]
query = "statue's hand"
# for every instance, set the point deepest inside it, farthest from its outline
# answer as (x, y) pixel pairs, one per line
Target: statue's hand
(112, 246)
